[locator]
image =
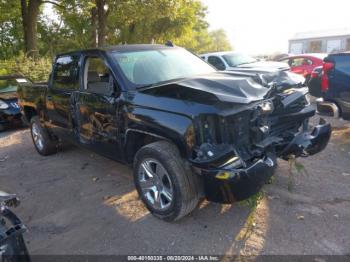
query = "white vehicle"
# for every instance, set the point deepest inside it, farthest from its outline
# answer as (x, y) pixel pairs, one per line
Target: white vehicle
(233, 61)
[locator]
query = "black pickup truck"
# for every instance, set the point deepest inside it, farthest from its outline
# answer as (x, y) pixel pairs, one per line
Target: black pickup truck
(189, 131)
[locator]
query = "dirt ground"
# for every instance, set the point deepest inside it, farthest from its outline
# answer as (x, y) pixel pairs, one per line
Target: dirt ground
(76, 202)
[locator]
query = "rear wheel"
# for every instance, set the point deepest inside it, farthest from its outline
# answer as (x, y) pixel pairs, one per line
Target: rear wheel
(43, 142)
(165, 184)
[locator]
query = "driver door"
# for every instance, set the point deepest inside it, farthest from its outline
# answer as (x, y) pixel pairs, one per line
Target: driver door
(96, 107)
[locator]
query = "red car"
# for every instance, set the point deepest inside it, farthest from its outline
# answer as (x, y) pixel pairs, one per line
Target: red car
(304, 64)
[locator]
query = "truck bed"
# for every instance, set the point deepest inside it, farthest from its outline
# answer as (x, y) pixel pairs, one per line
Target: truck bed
(32, 95)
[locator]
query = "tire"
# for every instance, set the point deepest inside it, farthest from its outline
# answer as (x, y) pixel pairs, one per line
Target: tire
(43, 142)
(175, 181)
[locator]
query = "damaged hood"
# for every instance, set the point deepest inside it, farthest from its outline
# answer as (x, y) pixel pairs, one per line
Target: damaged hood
(217, 93)
(227, 88)
(241, 88)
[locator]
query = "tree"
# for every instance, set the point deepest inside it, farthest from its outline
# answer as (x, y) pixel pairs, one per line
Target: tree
(11, 34)
(30, 10)
(220, 41)
(102, 14)
(80, 24)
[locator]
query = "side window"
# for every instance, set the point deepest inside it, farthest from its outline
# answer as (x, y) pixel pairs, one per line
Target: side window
(216, 62)
(97, 77)
(307, 61)
(66, 73)
(301, 61)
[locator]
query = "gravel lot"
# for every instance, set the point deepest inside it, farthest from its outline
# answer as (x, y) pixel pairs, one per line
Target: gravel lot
(76, 202)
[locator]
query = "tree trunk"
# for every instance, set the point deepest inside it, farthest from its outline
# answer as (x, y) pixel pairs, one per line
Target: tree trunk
(94, 27)
(30, 12)
(102, 22)
(24, 23)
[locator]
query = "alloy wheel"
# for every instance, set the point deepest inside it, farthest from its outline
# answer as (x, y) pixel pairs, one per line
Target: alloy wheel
(155, 184)
(37, 136)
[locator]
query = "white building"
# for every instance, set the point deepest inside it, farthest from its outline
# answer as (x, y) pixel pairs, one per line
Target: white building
(322, 41)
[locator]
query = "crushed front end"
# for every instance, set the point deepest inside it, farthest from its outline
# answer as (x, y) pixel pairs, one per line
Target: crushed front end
(236, 152)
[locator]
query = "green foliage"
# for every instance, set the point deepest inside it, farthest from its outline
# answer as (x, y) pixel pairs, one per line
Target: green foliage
(11, 32)
(36, 70)
(253, 201)
(298, 167)
(128, 21)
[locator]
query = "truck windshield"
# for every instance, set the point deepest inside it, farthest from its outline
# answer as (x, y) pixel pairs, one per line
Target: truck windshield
(238, 59)
(150, 67)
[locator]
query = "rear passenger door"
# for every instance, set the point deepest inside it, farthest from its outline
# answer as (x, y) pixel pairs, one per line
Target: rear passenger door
(96, 107)
(63, 83)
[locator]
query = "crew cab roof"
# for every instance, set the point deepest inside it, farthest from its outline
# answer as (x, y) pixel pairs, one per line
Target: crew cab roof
(122, 48)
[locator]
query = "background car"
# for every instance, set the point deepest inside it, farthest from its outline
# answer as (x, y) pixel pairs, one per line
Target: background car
(233, 61)
(304, 64)
(333, 83)
(9, 110)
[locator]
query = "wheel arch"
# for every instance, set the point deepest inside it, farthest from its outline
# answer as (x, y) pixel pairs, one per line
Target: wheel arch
(145, 125)
(135, 139)
(29, 112)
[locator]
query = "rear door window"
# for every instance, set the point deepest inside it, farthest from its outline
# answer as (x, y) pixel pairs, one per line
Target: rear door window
(66, 73)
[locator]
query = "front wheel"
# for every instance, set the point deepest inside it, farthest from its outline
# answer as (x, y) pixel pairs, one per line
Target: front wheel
(43, 142)
(165, 184)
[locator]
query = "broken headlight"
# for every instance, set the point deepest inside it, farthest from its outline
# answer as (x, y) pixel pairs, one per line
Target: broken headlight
(266, 107)
(209, 129)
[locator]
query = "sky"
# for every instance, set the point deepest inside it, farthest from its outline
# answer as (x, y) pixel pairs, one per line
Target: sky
(264, 26)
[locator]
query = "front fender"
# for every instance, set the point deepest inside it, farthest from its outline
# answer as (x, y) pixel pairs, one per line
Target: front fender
(170, 126)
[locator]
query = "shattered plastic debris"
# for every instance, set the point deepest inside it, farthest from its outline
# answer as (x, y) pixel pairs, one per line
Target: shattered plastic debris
(300, 217)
